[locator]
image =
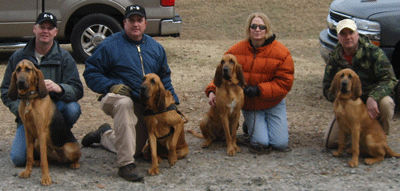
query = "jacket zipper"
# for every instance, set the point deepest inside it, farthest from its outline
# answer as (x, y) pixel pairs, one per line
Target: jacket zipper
(141, 58)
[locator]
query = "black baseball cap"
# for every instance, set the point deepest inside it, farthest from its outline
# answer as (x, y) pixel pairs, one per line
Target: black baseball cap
(46, 17)
(135, 9)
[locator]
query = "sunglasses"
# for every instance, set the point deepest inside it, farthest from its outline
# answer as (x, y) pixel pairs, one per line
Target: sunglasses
(254, 26)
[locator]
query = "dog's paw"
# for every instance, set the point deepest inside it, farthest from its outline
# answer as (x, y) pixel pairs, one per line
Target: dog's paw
(237, 149)
(206, 144)
(337, 154)
(46, 181)
(75, 165)
(172, 160)
(231, 151)
(353, 163)
(154, 171)
(370, 161)
(25, 174)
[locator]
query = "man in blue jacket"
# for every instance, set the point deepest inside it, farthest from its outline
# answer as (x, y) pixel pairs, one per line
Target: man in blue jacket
(61, 78)
(116, 70)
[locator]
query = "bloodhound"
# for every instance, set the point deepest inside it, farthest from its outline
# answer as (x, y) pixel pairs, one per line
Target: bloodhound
(222, 121)
(352, 116)
(164, 123)
(45, 128)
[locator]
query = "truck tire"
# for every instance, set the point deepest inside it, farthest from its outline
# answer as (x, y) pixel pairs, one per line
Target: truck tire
(90, 31)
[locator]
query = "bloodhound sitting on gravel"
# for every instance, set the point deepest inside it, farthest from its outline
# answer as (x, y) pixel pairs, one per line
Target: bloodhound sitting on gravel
(43, 122)
(353, 118)
(222, 121)
(164, 123)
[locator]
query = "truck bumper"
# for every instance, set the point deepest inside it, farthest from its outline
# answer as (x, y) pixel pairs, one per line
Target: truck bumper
(171, 27)
(326, 44)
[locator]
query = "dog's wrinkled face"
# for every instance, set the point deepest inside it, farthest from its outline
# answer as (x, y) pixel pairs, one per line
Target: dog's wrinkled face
(230, 70)
(26, 76)
(346, 84)
(228, 64)
(150, 87)
(26, 80)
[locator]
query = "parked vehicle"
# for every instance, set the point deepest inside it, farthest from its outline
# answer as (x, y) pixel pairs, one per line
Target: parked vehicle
(379, 20)
(83, 23)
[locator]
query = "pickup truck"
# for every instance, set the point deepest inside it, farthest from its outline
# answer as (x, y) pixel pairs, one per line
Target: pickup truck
(379, 20)
(83, 23)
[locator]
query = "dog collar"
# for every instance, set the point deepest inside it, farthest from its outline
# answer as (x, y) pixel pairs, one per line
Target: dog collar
(148, 112)
(27, 95)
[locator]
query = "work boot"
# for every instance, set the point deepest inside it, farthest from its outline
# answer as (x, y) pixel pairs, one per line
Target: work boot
(94, 136)
(130, 173)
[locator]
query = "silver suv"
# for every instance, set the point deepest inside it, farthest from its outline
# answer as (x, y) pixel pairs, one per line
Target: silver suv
(83, 23)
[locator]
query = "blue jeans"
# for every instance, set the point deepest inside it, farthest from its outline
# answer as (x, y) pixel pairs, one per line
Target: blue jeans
(71, 112)
(268, 127)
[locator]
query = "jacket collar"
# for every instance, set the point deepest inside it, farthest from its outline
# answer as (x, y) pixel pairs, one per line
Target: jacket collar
(132, 41)
(337, 52)
(29, 51)
(267, 42)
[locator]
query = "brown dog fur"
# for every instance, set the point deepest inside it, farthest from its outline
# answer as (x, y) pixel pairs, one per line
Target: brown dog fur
(161, 123)
(221, 122)
(352, 116)
(39, 115)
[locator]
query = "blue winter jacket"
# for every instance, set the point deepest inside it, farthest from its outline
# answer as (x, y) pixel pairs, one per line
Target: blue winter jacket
(116, 61)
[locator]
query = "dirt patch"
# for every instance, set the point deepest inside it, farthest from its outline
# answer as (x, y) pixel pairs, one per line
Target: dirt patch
(193, 62)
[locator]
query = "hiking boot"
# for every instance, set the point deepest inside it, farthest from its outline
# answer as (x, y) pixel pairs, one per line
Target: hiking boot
(243, 139)
(260, 149)
(287, 149)
(130, 173)
(94, 136)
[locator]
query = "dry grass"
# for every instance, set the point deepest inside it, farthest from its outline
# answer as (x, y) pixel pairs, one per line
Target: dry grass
(224, 19)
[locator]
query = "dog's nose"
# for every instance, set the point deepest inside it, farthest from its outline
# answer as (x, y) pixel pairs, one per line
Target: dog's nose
(343, 87)
(21, 84)
(143, 88)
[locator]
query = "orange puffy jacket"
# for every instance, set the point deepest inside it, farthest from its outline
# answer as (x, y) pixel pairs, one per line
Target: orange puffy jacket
(269, 67)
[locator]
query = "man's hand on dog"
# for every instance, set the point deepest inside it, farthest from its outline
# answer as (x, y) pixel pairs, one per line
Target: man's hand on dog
(52, 86)
(372, 108)
(121, 89)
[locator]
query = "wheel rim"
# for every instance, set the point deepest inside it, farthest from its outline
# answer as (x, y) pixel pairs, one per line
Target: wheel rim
(93, 36)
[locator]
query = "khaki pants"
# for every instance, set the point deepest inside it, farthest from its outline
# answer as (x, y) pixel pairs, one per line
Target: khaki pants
(129, 134)
(386, 108)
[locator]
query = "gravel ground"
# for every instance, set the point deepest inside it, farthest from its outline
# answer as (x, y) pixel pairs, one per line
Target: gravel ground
(307, 168)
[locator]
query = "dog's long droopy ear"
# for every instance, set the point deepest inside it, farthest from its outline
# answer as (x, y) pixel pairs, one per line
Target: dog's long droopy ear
(12, 90)
(335, 85)
(218, 76)
(41, 86)
(239, 74)
(356, 87)
(161, 99)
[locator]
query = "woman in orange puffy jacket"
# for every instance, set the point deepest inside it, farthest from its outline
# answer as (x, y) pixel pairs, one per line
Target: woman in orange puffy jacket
(268, 69)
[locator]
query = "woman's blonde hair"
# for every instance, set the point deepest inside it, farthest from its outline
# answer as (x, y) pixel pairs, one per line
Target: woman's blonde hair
(266, 21)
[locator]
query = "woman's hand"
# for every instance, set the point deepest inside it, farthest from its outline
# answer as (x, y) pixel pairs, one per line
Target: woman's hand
(211, 99)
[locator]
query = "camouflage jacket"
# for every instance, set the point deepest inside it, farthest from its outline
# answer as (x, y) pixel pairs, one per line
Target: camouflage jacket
(370, 63)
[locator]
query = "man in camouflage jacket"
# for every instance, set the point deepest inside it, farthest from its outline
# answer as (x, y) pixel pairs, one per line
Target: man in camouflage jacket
(355, 51)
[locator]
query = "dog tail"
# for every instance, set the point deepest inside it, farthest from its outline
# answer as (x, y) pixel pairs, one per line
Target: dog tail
(391, 153)
(198, 135)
